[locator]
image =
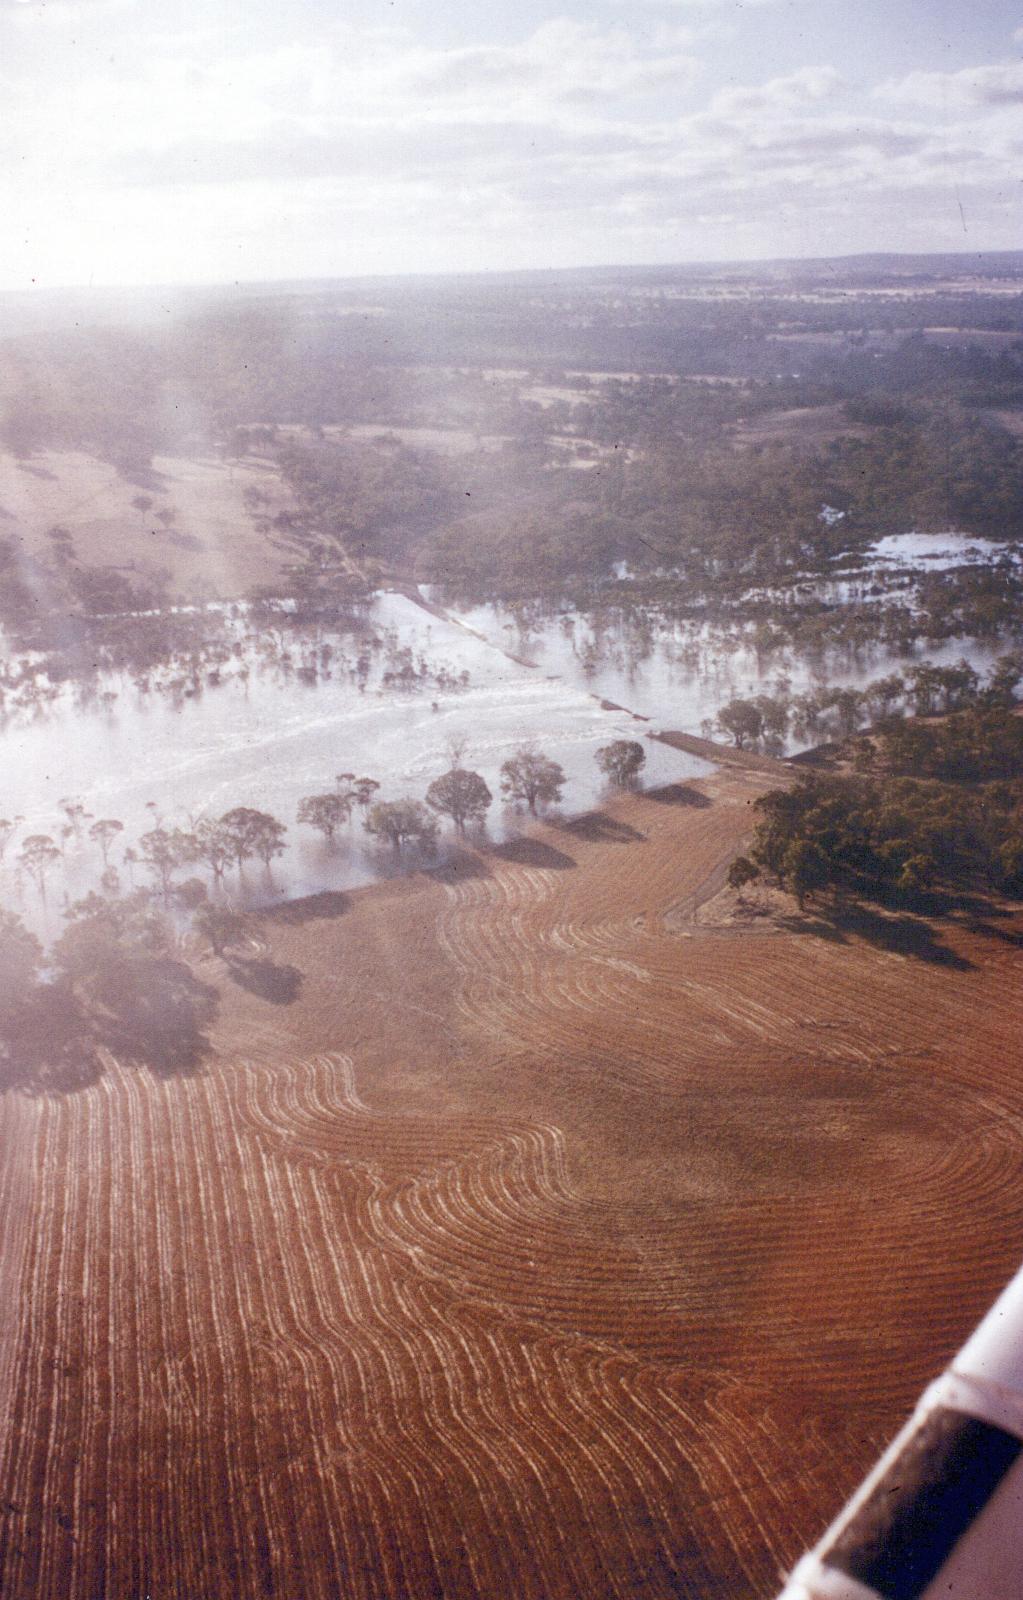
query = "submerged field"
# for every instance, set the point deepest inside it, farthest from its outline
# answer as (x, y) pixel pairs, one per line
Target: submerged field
(546, 1228)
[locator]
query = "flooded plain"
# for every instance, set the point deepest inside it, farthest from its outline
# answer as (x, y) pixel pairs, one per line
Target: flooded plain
(264, 732)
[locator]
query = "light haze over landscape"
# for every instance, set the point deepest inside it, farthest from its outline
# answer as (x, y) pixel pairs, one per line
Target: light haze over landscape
(187, 142)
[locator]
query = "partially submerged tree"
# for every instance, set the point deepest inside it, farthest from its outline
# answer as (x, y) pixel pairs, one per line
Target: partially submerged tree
(214, 843)
(164, 850)
(254, 833)
(326, 811)
(400, 822)
(104, 832)
(364, 789)
(76, 814)
(621, 761)
(37, 855)
(743, 721)
(530, 776)
(461, 795)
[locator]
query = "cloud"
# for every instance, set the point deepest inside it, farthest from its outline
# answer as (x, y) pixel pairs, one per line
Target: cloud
(715, 6)
(804, 87)
(196, 144)
(990, 87)
(290, 152)
(561, 60)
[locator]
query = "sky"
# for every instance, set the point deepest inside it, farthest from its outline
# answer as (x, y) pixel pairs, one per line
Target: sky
(213, 141)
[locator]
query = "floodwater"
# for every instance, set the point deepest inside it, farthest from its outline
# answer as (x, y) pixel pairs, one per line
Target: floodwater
(678, 675)
(936, 552)
(569, 682)
(148, 760)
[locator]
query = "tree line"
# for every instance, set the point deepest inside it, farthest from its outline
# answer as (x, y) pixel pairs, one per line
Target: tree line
(890, 833)
(529, 777)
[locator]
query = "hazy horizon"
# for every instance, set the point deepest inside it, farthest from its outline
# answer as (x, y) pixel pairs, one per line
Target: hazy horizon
(200, 145)
(709, 265)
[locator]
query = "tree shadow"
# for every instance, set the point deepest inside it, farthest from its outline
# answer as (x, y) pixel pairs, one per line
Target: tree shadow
(323, 907)
(677, 794)
(1012, 936)
(460, 866)
(528, 852)
(898, 933)
(819, 927)
(281, 984)
(45, 1046)
(159, 1022)
(598, 827)
(142, 475)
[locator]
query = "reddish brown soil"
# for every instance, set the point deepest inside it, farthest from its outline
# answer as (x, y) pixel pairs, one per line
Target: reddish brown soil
(558, 1240)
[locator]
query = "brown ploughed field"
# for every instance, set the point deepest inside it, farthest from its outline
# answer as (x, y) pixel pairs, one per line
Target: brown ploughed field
(570, 1235)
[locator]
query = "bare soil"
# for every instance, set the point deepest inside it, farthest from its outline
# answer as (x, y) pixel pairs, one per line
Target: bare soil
(576, 1231)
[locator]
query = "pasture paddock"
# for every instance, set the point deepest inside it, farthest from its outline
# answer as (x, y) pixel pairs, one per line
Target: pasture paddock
(558, 1240)
(211, 549)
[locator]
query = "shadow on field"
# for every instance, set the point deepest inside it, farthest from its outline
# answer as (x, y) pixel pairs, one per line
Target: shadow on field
(140, 475)
(159, 1023)
(459, 867)
(527, 852)
(280, 984)
(677, 794)
(45, 1046)
(599, 828)
(900, 934)
(323, 907)
(1013, 936)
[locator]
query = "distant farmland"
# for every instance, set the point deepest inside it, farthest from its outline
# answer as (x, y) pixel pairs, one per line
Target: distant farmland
(570, 1237)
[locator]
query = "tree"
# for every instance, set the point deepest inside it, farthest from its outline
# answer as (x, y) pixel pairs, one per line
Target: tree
(253, 833)
(399, 821)
(21, 957)
(1002, 683)
(219, 925)
(743, 721)
(140, 1002)
(104, 832)
(326, 812)
(214, 844)
(365, 789)
(461, 795)
(805, 869)
(28, 1029)
(742, 872)
(37, 855)
(917, 875)
(621, 761)
(164, 850)
(7, 827)
(531, 776)
(76, 815)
